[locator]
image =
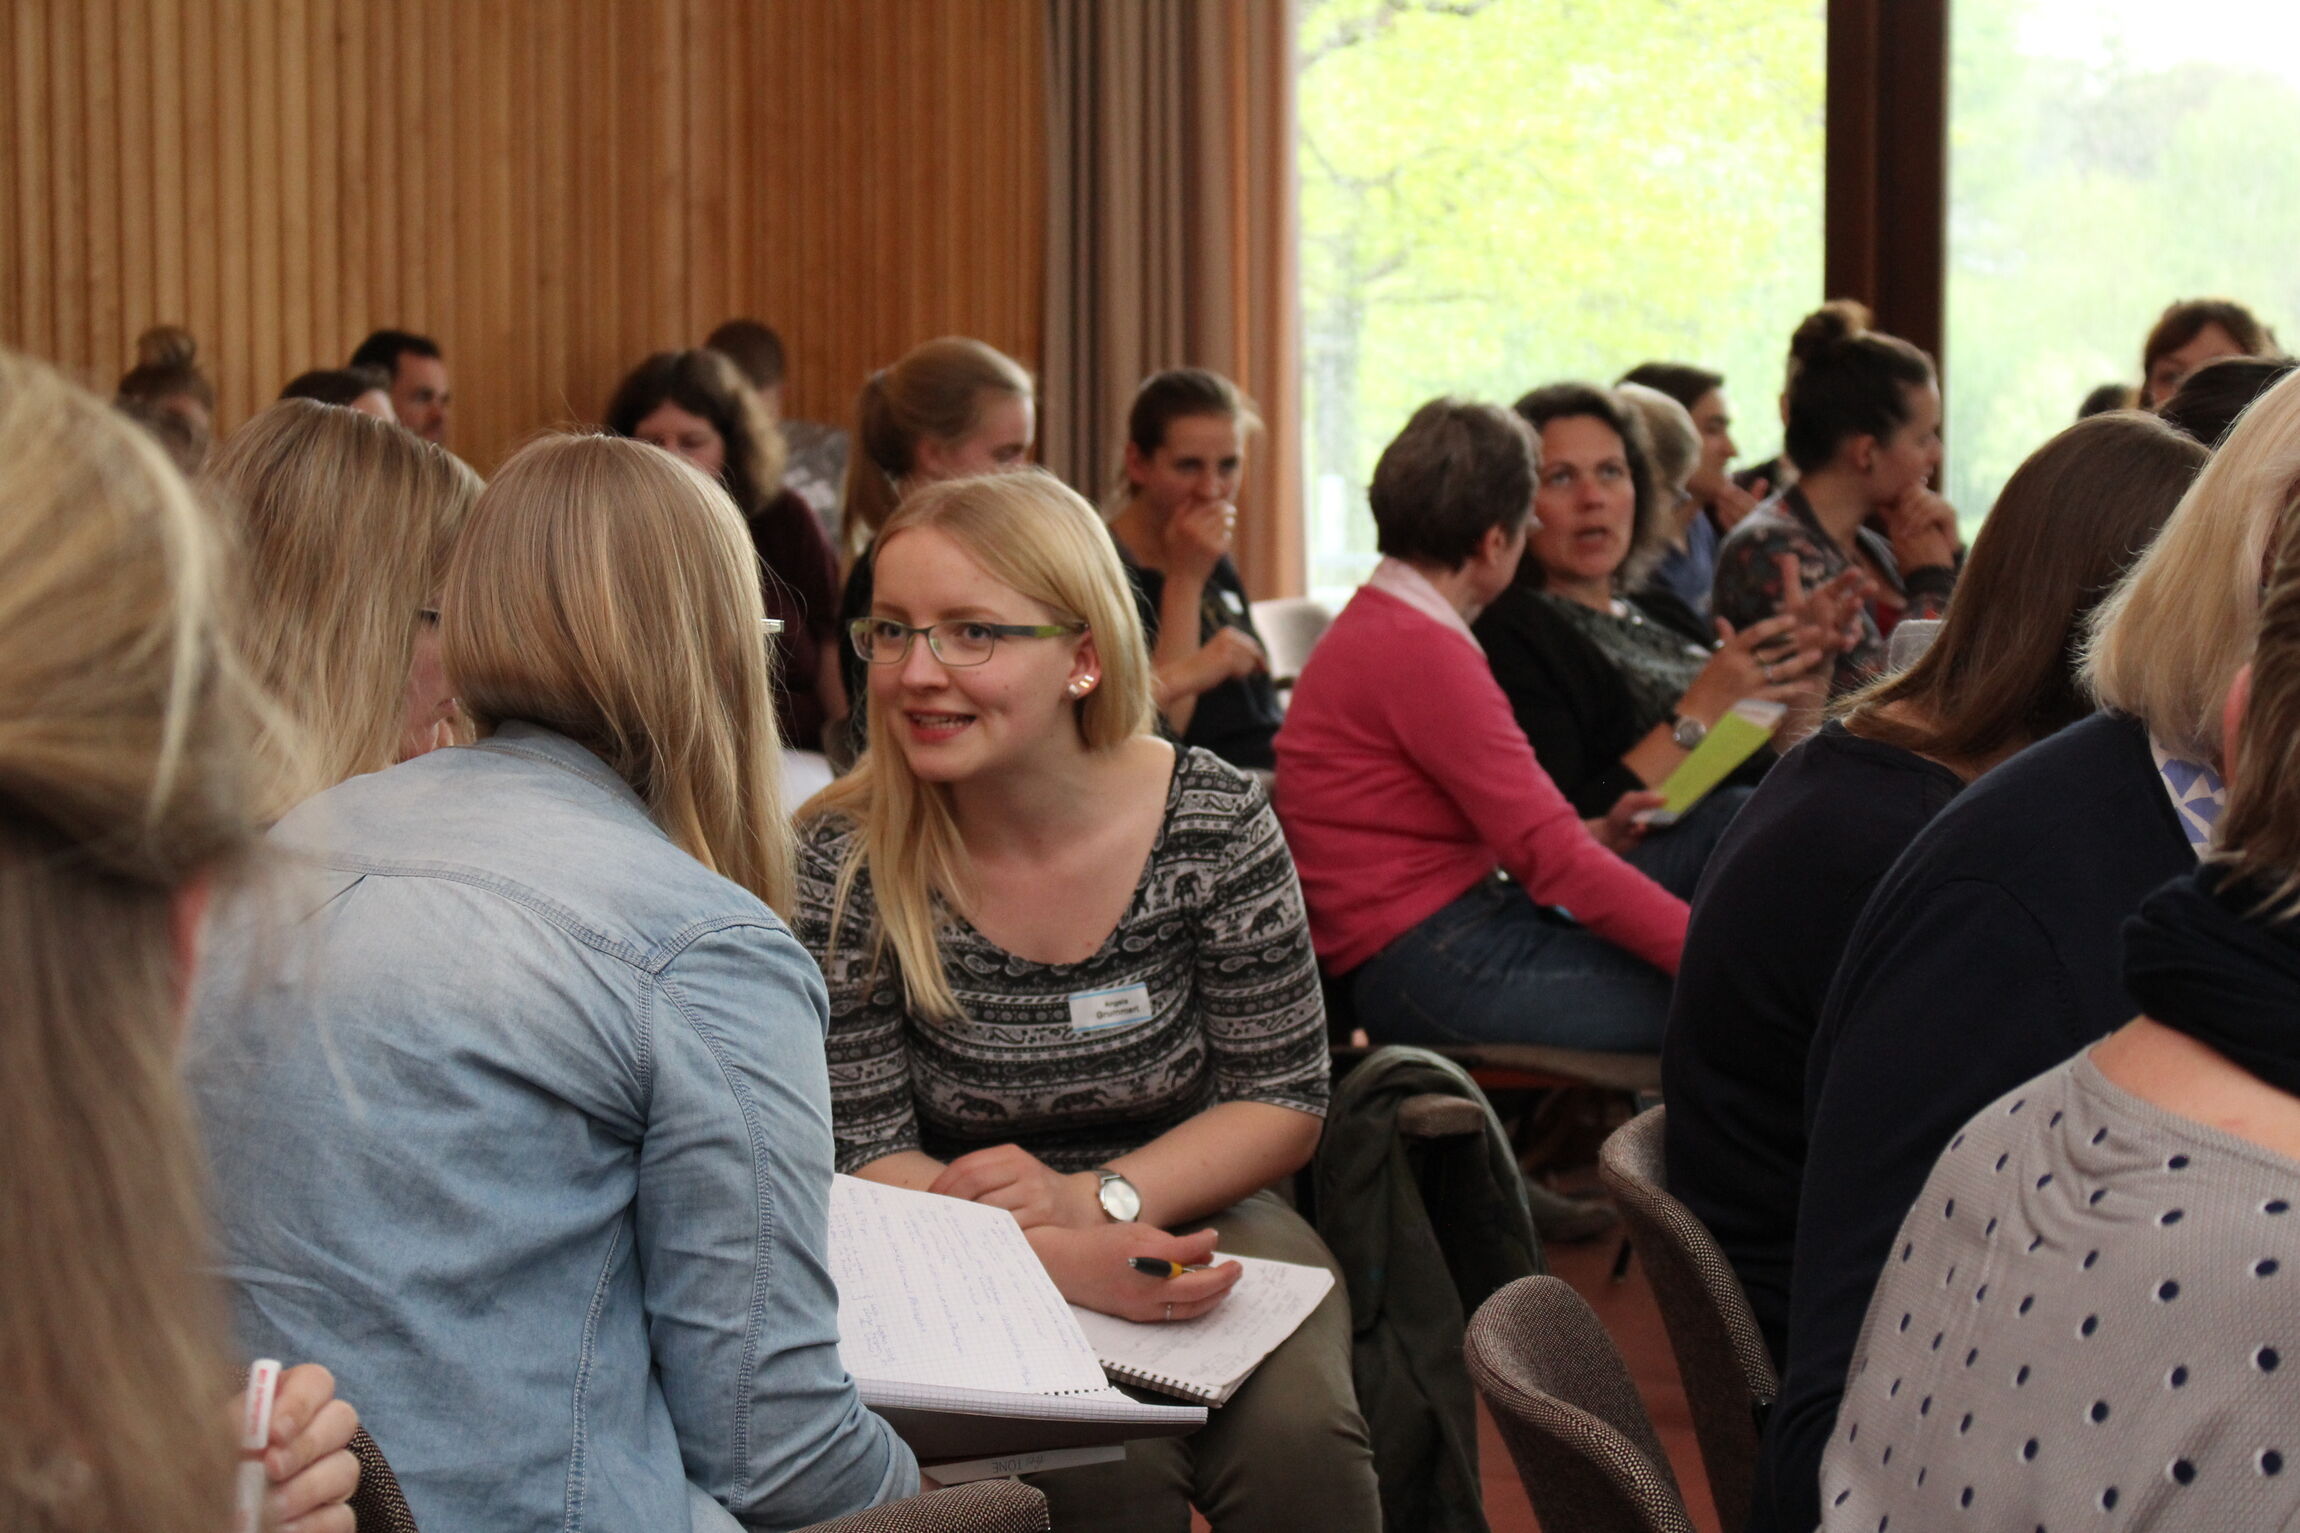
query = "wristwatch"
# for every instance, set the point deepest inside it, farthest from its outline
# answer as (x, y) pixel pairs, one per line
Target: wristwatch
(1117, 1195)
(1688, 733)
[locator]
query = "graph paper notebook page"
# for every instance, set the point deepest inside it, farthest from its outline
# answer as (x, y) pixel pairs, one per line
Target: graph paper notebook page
(1209, 1357)
(943, 1307)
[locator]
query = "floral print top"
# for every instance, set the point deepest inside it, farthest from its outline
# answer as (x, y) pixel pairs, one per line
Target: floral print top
(1748, 588)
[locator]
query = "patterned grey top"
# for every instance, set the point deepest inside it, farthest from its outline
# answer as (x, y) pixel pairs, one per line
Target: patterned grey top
(2086, 1325)
(1656, 662)
(1216, 935)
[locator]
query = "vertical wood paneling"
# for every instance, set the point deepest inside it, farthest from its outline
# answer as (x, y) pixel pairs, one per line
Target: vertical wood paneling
(552, 188)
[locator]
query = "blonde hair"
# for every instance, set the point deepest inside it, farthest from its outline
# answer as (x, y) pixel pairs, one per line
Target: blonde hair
(1030, 532)
(2260, 834)
(937, 392)
(348, 522)
(125, 774)
(2167, 643)
(608, 590)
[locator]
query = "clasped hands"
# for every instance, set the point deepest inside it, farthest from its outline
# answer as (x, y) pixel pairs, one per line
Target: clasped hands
(1085, 1251)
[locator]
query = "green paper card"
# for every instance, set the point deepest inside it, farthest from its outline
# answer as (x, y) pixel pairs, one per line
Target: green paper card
(1732, 740)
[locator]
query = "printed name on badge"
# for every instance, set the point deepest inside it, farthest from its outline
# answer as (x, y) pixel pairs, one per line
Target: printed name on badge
(1094, 1011)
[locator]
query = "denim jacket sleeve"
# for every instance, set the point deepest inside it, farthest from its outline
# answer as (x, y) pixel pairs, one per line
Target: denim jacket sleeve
(733, 1232)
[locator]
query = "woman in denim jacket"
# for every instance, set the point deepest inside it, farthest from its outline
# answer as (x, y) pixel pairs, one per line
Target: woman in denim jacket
(512, 1078)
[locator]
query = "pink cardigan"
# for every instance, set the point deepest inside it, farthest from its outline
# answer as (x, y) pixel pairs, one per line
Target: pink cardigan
(1403, 780)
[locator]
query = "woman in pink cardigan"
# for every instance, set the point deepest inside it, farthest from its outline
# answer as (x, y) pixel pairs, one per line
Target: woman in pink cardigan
(1436, 856)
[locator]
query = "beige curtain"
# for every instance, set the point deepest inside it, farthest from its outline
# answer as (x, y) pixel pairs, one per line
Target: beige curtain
(1171, 239)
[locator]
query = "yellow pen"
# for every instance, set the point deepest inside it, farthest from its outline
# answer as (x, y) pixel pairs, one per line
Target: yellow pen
(1159, 1267)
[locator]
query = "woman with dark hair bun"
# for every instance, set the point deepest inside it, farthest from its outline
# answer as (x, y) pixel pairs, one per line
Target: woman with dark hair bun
(1863, 415)
(697, 405)
(1185, 450)
(2209, 400)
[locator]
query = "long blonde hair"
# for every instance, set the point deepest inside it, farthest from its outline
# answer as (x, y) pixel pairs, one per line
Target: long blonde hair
(2168, 641)
(1034, 534)
(347, 522)
(937, 392)
(125, 773)
(608, 590)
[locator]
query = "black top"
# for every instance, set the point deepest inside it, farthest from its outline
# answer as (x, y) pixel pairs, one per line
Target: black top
(1239, 719)
(1770, 920)
(854, 602)
(1577, 710)
(1987, 955)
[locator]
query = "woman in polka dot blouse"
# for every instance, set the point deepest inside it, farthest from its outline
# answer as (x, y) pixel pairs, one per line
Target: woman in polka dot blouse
(2090, 1318)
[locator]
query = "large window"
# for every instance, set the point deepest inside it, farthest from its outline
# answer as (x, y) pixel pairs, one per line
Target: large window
(2105, 158)
(1503, 193)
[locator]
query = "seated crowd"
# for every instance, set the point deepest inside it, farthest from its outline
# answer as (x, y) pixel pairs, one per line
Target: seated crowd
(483, 1009)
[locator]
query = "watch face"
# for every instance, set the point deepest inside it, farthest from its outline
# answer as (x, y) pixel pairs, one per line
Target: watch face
(1119, 1199)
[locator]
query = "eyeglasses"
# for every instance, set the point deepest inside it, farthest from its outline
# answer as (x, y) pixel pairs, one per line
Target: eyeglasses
(883, 641)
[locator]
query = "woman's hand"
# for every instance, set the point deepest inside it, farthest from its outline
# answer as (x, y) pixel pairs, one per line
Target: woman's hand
(1198, 537)
(1923, 528)
(1762, 660)
(1008, 1176)
(1832, 610)
(308, 1459)
(1618, 832)
(1089, 1267)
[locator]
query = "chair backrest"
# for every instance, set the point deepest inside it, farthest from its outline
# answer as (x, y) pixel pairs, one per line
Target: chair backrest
(1563, 1401)
(1721, 1353)
(1290, 627)
(377, 1505)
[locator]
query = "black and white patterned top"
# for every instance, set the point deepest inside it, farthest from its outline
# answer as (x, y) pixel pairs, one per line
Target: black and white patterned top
(1216, 936)
(2090, 1320)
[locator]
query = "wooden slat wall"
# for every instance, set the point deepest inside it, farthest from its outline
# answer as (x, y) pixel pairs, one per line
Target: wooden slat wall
(552, 188)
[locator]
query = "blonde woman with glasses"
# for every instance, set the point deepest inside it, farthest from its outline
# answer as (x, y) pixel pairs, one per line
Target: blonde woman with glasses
(524, 1121)
(1070, 977)
(125, 789)
(347, 522)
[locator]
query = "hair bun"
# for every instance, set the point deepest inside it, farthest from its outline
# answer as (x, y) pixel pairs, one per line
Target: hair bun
(169, 346)
(1840, 319)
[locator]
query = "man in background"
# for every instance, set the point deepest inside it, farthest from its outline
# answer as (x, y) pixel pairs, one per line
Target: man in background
(419, 392)
(815, 464)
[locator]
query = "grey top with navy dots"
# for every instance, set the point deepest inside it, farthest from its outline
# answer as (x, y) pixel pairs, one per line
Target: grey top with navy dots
(2084, 1324)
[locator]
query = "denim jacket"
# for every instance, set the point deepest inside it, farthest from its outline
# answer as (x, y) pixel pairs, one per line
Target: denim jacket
(520, 1124)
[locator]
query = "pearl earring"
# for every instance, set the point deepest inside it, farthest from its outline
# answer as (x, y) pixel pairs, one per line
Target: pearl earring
(1082, 686)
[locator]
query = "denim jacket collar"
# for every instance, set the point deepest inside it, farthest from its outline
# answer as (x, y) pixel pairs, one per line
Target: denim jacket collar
(517, 737)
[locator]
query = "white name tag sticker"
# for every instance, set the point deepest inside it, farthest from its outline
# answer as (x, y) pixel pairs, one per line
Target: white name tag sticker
(1095, 1011)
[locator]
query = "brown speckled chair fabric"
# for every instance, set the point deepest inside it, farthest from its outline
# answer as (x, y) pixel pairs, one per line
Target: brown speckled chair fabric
(1721, 1354)
(377, 1506)
(1562, 1398)
(986, 1506)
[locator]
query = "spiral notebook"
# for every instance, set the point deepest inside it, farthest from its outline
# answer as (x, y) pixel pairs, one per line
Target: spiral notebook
(1208, 1357)
(953, 1331)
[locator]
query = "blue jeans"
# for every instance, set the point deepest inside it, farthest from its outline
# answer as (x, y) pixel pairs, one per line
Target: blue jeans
(1493, 967)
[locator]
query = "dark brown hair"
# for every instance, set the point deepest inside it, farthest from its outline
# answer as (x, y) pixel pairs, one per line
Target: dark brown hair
(1562, 401)
(706, 383)
(2070, 522)
(2210, 399)
(1178, 394)
(1846, 381)
(166, 365)
(752, 347)
(2184, 321)
(1455, 472)
(336, 385)
(1681, 381)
